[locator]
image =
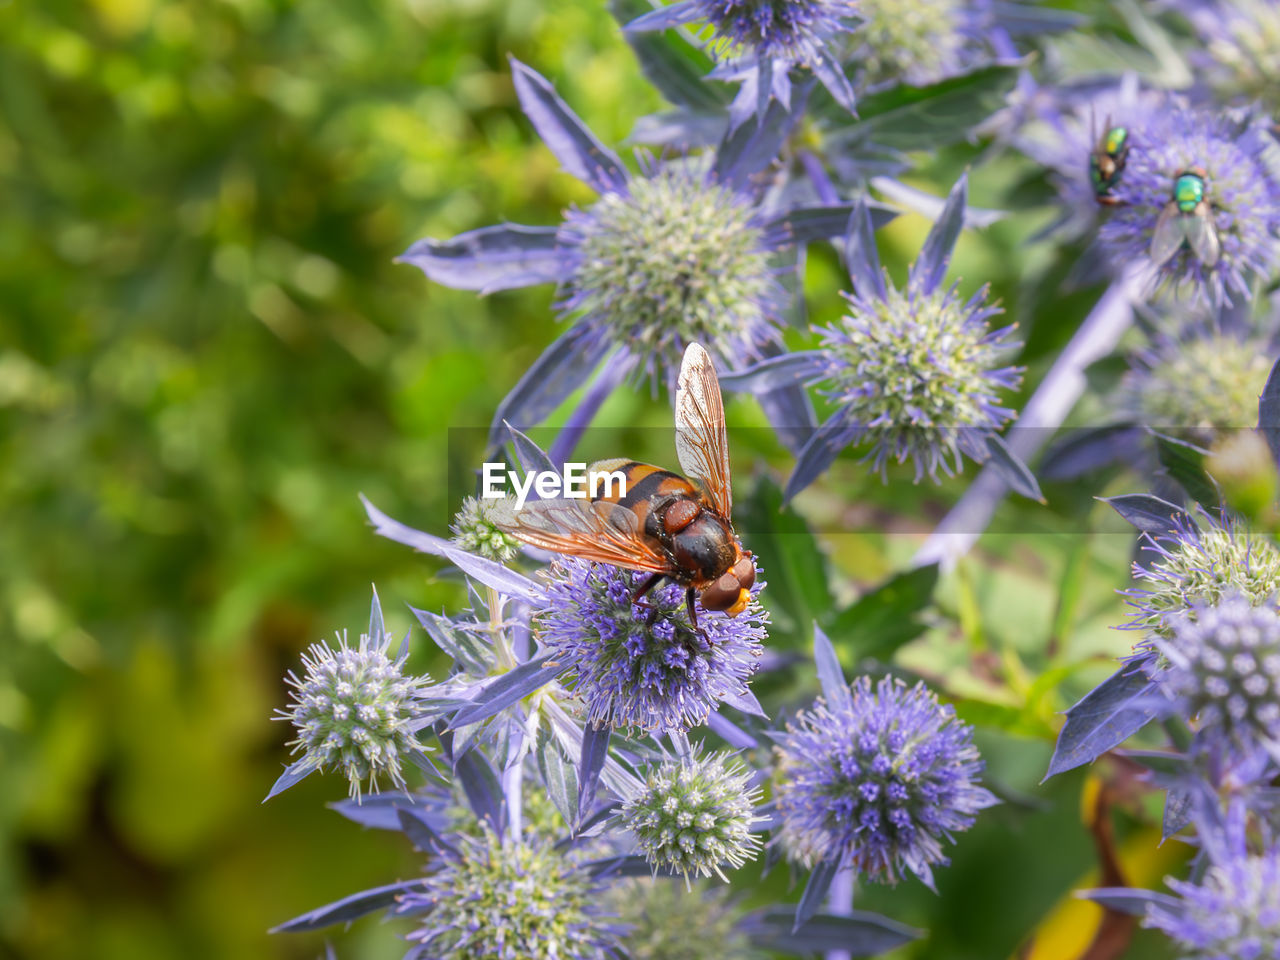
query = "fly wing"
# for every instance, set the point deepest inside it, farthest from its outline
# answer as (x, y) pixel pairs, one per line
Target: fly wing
(1202, 236)
(1167, 238)
(600, 531)
(701, 442)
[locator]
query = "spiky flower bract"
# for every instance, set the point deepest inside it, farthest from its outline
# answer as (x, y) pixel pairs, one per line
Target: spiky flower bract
(474, 530)
(1239, 52)
(693, 816)
(353, 710)
(877, 781)
(666, 923)
(1241, 190)
(670, 259)
(640, 668)
(1198, 386)
(1221, 665)
(513, 900)
(1233, 913)
(1200, 564)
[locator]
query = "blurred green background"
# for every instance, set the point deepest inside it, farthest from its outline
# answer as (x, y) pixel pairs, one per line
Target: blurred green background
(206, 351)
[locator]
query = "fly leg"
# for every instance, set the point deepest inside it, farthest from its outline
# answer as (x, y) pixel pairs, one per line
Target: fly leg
(689, 597)
(637, 597)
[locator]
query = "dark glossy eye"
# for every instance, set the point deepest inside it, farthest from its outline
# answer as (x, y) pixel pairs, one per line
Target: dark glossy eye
(722, 594)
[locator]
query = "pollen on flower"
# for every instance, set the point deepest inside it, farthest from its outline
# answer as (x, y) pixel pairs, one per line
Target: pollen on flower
(510, 901)
(917, 374)
(474, 531)
(912, 40)
(673, 259)
(791, 30)
(877, 781)
(694, 816)
(638, 668)
(353, 710)
(1203, 385)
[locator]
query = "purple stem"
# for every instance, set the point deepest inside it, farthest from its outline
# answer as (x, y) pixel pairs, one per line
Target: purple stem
(840, 903)
(1058, 392)
(614, 371)
(822, 184)
(512, 780)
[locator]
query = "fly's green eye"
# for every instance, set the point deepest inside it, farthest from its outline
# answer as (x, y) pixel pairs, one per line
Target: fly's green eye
(1116, 139)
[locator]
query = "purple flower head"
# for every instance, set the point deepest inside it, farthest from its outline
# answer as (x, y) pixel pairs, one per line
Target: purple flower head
(645, 668)
(490, 899)
(914, 373)
(1199, 564)
(682, 250)
(1220, 664)
(877, 781)
(1232, 160)
(1233, 912)
(761, 41)
(1239, 49)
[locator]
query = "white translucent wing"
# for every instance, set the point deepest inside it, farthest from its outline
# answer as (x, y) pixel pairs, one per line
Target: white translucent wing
(1203, 239)
(701, 442)
(1167, 239)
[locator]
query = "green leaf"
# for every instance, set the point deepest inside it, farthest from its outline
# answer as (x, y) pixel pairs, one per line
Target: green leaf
(672, 64)
(1185, 464)
(886, 618)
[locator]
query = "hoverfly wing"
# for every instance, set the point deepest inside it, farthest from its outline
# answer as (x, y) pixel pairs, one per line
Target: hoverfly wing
(1168, 236)
(601, 531)
(702, 444)
(1202, 235)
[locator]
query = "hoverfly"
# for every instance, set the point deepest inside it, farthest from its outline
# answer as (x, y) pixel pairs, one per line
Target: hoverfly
(1106, 162)
(661, 523)
(1187, 219)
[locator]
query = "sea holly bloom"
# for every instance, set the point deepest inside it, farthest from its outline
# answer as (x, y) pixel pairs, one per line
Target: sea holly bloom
(355, 709)
(683, 250)
(646, 669)
(1230, 160)
(914, 373)
(474, 531)
(877, 780)
(667, 923)
(761, 41)
(1220, 664)
(1239, 52)
(693, 816)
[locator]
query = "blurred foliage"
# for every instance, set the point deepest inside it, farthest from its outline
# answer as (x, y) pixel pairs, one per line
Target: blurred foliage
(206, 351)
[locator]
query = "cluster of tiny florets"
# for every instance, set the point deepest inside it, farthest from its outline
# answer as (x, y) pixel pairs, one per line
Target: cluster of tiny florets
(913, 41)
(1222, 666)
(510, 900)
(646, 669)
(1240, 50)
(1201, 565)
(877, 781)
(917, 376)
(666, 923)
(1199, 385)
(790, 30)
(694, 815)
(353, 709)
(673, 259)
(474, 531)
(1233, 914)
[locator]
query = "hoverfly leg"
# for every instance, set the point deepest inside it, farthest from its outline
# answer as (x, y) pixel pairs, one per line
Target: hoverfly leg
(637, 598)
(690, 596)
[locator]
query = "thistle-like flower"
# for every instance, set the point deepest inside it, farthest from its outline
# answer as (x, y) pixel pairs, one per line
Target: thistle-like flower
(694, 816)
(474, 531)
(913, 373)
(681, 251)
(1196, 565)
(761, 41)
(1239, 52)
(1233, 913)
(919, 42)
(645, 669)
(1230, 234)
(1221, 664)
(666, 923)
(354, 709)
(877, 781)
(490, 900)
(1198, 386)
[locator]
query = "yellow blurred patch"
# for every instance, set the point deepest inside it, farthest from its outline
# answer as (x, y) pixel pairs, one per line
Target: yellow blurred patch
(124, 17)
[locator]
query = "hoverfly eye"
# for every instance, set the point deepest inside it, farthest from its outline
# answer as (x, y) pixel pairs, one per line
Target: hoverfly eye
(744, 571)
(722, 594)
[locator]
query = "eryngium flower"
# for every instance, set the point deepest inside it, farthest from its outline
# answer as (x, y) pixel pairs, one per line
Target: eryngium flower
(510, 901)
(354, 710)
(1233, 914)
(474, 531)
(1236, 156)
(694, 816)
(1196, 386)
(1221, 664)
(877, 781)
(1200, 564)
(762, 40)
(1240, 48)
(644, 668)
(666, 923)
